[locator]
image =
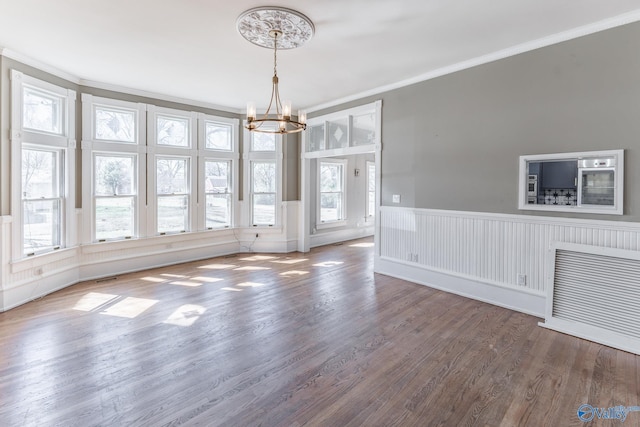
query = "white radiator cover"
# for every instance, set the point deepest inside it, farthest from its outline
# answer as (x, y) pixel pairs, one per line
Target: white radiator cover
(593, 294)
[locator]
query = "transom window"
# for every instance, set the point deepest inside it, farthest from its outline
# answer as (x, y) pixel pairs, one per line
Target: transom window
(42, 110)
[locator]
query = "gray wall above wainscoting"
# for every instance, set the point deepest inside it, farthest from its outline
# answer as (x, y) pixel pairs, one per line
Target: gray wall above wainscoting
(453, 142)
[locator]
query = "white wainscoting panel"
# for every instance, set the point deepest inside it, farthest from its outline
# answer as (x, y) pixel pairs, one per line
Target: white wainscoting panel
(508, 251)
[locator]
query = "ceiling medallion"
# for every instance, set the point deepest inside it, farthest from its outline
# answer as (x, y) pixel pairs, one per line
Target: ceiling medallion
(255, 25)
(275, 28)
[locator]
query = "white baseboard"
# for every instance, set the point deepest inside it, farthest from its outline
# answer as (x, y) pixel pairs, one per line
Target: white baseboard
(514, 299)
(45, 285)
(331, 237)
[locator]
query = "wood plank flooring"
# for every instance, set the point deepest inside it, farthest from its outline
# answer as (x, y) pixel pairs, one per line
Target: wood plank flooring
(310, 339)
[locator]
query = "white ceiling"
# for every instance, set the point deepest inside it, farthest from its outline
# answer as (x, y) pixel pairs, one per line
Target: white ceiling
(190, 49)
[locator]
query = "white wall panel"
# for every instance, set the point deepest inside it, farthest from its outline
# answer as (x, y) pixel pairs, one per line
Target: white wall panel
(491, 248)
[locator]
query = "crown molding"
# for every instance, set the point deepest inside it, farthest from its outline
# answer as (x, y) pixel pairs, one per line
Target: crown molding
(26, 60)
(574, 33)
(159, 96)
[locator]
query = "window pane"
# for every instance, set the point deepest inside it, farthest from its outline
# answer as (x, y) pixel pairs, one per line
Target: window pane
(218, 211)
(338, 133)
(330, 177)
(41, 220)
(330, 206)
(115, 125)
(218, 136)
(371, 208)
(364, 129)
(172, 176)
(371, 178)
(173, 131)
(316, 138)
(40, 174)
(217, 176)
(264, 209)
(42, 111)
(114, 175)
(264, 177)
(263, 142)
(114, 217)
(173, 214)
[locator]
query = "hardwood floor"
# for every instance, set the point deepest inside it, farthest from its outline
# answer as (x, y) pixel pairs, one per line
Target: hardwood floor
(311, 339)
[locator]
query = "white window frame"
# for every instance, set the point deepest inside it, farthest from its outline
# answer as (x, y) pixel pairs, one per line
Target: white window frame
(261, 156)
(91, 146)
(368, 165)
(209, 154)
(320, 224)
(64, 143)
(156, 151)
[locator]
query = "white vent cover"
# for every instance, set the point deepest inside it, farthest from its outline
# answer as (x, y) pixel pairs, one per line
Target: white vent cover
(594, 294)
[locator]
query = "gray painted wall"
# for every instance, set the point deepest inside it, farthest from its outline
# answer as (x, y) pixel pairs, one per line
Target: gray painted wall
(453, 142)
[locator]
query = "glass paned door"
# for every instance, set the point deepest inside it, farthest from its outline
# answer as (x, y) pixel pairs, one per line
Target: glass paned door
(597, 187)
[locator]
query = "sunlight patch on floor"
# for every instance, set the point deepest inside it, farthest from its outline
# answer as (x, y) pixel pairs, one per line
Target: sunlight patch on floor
(207, 279)
(173, 276)
(154, 279)
(185, 315)
(362, 245)
(294, 273)
(251, 268)
(186, 283)
(232, 289)
(93, 300)
(250, 285)
(328, 263)
(258, 258)
(217, 266)
(291, 261)
(129, 307)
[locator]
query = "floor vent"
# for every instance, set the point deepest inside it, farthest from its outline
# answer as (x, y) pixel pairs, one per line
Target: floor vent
(594, 295)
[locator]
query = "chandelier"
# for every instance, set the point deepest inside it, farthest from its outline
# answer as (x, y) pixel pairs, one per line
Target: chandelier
(273, 28)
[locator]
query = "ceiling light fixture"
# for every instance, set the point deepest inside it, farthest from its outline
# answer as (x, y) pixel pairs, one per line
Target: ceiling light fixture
(275, 28)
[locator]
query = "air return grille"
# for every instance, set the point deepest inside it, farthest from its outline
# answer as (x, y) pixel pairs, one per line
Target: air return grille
(597, 290)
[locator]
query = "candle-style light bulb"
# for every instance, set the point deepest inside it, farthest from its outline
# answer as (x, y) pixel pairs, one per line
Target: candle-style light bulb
(251, 111)
(286, 109)
(302, 116)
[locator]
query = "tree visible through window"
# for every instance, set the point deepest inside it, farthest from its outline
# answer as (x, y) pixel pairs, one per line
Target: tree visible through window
(114, 196)
(218, 193)
(172, 189)
(41, 199)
